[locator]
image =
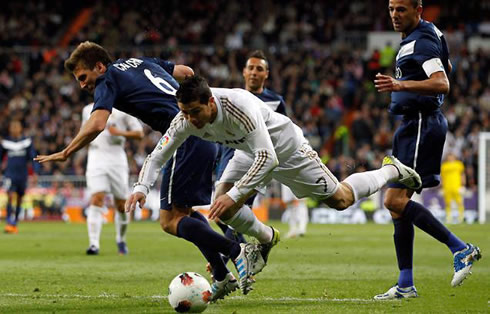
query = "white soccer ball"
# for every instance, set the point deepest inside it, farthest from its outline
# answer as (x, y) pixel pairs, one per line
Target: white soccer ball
(189, 292)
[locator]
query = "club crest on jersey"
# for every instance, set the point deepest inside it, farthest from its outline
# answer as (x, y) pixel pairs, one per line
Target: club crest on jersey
(398, 73)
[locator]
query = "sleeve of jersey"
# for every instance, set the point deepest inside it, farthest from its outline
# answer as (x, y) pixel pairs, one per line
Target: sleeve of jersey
(166, 65)
(105, 95)
(265, 158)
(282, 108)
(428, 55)
(176, 134)
(133, 123)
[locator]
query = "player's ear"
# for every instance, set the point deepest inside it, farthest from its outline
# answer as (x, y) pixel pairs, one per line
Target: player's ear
(99, 66)
(419, 10)
(210, 100)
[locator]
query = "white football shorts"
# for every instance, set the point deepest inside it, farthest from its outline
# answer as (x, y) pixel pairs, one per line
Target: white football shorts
(114, 180)
(304, 173)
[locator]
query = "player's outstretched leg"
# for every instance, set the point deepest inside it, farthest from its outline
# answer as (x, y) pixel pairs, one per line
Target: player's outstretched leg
(463, 262)
(407, 176)
(396, 292)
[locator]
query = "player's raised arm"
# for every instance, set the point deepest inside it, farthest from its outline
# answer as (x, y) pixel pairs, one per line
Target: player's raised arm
(88, 132)
(134, 128)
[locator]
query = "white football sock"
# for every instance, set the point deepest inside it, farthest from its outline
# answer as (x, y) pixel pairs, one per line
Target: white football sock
(369, 182)
(302, 216)
(245, 222)
(121, 221)
(95, 219)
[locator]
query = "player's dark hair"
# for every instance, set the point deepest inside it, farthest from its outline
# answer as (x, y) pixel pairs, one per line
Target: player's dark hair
(259, 54)
(192, 89)
(87, 54)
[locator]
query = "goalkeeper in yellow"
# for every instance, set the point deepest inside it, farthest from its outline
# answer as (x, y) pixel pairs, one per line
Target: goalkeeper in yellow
(453, 180)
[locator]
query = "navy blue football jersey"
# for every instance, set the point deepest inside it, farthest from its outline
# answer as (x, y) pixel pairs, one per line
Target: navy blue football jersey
(142, 87)
(20, 152)
(273, 100)
(424, 44)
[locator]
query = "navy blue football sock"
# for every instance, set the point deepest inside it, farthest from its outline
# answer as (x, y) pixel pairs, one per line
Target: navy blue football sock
(423, 218)
(230, 233)
(224, 227)
(405, 279)
(214, 258)
(403, 238)
(202, 235)
(454, 243)
(17, 213)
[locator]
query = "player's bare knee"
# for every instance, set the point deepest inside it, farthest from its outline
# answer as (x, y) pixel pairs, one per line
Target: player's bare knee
(342, 199)
(120, 205)
(394, 204)
(97, 199)
(166, 225)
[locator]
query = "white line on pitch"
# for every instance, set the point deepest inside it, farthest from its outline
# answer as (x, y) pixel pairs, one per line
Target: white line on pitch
(115, 296)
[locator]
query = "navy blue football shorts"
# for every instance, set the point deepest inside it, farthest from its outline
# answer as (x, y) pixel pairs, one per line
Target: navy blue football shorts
(418, 143)
(16, 185)
(187, 176)
(225, 154)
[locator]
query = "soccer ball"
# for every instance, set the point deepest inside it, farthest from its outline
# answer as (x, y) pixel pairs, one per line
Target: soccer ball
(189, 292)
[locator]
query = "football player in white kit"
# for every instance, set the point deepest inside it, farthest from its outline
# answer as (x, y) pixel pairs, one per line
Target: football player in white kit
(108, 172)
(296, 213)
(268, 146)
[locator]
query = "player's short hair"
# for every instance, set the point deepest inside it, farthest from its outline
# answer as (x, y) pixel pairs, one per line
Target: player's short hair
(192, 89)
(87, 54)
(259, 54)
(416, 3)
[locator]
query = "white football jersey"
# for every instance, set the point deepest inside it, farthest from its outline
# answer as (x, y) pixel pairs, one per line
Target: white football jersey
(108, 150)
(243, 122)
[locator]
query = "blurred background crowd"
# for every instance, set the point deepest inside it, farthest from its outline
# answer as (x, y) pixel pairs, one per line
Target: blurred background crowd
(317, 53)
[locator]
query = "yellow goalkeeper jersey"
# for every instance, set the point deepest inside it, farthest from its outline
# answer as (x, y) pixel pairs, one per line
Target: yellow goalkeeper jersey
(451, 172)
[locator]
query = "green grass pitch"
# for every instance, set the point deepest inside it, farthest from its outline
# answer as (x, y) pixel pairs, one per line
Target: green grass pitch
(334, 269)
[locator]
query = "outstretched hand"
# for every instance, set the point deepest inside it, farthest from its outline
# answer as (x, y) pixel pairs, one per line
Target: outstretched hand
(133, 200)
(385, 83)
(220, 206)
(59, 156)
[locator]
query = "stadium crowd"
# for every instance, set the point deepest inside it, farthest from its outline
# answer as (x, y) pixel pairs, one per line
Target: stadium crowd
(326, 79)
